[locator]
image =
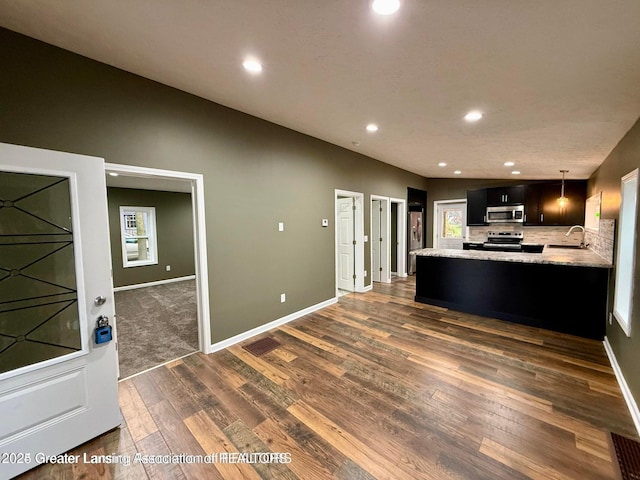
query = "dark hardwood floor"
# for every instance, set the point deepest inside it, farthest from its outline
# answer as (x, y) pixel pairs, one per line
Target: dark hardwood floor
(376, 387)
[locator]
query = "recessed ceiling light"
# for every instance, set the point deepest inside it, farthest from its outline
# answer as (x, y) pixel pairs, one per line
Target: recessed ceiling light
(442, 164)
(515, 172)
(113, 174)
(457, 172)
(509, 164)
(385, 7)
(372, 127)
(252, 65)
(473, 116)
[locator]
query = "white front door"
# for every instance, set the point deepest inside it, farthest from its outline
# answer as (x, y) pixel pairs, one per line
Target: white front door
(451, 218)
(346, 248)
(58, 388)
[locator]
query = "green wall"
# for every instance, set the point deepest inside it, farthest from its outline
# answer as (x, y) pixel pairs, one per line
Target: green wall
(624, 158)
(256, 173)
(174, 229)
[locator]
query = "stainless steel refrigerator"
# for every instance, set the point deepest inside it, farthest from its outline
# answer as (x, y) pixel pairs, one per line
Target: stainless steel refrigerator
(416, 239)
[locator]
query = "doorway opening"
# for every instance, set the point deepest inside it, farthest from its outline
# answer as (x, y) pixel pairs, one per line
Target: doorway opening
(349, 242)
(380, 239)
(398, 238)
(388, 241)
(180, 289)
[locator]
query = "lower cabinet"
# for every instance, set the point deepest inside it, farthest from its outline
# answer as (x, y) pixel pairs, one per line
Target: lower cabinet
(567, 299)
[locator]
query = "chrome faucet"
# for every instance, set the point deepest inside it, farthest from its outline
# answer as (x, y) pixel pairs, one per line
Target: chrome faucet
(583, 233)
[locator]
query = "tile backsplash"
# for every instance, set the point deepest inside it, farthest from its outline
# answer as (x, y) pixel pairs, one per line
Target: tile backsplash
(601, 242)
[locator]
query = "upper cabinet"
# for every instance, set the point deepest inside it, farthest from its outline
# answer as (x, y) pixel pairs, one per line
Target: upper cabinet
(540, 202)
(498, 196)
(476, 207)
(542, 207)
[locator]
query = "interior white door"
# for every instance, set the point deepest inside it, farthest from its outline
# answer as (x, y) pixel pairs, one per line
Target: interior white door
(376, 239)
(346, 248)
(451, 218)
(58, 388)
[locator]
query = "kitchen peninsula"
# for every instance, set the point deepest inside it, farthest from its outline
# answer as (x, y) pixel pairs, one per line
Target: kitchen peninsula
(559, 289)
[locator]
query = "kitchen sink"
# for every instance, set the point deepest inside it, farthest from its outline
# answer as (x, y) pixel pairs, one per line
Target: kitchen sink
(574, 247)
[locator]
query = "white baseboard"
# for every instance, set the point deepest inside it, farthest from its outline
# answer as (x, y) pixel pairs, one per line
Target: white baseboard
(268, 326)
(367, 288)
(153, 284)
(626, 392)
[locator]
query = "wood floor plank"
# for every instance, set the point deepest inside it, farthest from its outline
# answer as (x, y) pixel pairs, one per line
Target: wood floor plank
(180, 441)
(304, 437)
(260, 365)
(229, 404)
(303, 463)
(356, 450)
(247, 441)
(155, 444)
(376, 386)
(520, 462)
(213, 441)
(135, 412)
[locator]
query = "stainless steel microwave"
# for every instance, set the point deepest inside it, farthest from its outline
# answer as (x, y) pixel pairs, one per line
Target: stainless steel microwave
(506, 214)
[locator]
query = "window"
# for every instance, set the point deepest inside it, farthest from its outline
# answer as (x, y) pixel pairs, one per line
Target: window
(625, 262)
(138, 232)
(451, 223)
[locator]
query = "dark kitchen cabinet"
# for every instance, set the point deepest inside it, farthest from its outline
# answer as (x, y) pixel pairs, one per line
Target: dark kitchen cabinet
(519, 292)
(498, 196)
(476, 207)
(542, 208)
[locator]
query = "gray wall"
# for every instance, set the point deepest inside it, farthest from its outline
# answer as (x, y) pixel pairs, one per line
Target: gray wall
(624, 158)
(174, 229)
(256, 174)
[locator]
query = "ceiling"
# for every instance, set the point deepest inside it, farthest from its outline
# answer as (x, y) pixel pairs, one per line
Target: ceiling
(558, 81)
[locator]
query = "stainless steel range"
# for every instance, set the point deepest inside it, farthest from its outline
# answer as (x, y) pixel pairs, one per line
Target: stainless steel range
(503, 241)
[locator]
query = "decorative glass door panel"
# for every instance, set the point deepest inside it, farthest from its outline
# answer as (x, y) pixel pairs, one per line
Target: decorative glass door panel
(39, 318)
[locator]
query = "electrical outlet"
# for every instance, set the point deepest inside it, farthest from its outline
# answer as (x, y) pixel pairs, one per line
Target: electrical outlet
(168, 267)
(283, 297)
(610, 318)
(365, 274)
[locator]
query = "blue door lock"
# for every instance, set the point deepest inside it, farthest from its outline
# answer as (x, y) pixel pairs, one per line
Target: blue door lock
(103, 330)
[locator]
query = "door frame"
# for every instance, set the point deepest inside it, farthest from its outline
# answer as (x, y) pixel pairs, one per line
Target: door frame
(358, 235)
(199, 237)
(402, 235)
(438, 203)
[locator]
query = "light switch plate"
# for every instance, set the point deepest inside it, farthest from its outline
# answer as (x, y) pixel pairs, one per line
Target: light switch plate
(281, 226)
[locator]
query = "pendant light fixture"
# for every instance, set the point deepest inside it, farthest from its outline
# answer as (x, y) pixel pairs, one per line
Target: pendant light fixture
(562, 201)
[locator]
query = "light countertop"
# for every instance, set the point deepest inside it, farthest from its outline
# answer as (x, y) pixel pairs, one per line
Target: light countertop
(553, 256)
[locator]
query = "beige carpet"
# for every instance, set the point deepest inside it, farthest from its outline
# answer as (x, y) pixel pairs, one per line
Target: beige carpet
(155, 325)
